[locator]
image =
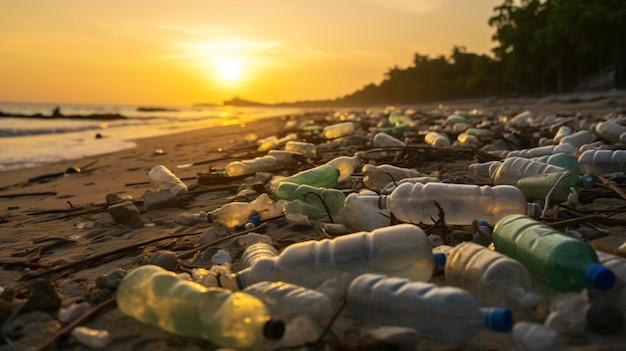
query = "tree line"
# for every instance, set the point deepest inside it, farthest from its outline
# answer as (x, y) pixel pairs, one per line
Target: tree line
(542, 47)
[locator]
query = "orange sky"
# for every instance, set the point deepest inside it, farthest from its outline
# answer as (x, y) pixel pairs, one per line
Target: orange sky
(206, 51)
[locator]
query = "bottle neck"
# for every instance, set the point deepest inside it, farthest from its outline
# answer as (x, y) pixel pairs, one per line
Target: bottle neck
(382, 202)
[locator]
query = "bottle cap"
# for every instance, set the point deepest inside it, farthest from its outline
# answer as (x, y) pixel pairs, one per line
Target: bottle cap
(587, 180)
(440, 259)
(533, 209)
(255, 220)
(498, 319)
(446, 181)
(483, 223)
(274, 329)
(604, 317)
(599, 277)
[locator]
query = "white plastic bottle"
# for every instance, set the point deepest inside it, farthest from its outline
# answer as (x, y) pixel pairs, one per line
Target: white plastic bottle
(401, 250)
(609, 130)
(494, 280)
(443, 313)
(561, 133)
(377, 177)
(515, 168)
(307, 149)
(361, 213)
(578, 139)
(435, 139)
(345, 165)
(258, 164)
(164, 179)
(338, 130)
(601, 162)
(543, 150)
(384, 139)
(461, 203)
(481, 170)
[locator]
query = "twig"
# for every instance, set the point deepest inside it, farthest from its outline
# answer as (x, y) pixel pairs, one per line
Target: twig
(28, 194)
(611, 186)
(189, 253)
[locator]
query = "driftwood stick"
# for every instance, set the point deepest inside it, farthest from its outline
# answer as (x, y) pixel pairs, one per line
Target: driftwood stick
(612, 186)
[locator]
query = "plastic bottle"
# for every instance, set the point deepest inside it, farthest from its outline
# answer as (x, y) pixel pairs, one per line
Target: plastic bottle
(284, 158)
(324, 176)
(538, 186)
(383, 139)
(443, 313)
(361, 213)
(609, 130)
(617, 294)
(320, 197)
(338, 130)
(158, 297)
(268, 143)
(307, 149)
(467, 140)
(377, 177)
(528, 336)
(561, 133)
(389, 188)
(435, 139)
(523, 119)
(494, 279)
(479, 133)
(515, 168)
(256, 252)
(461, 203)
(345, 165)
(236, 214)
(401, 250)
(164, 179)
(602, 162)
(481, 170)
(458, 128)
(258, 164)
(578, 139)
(557, 260)
(543, 151)
(560, 159)
(395, 117)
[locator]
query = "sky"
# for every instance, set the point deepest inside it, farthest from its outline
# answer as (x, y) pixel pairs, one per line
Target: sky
(164, 52)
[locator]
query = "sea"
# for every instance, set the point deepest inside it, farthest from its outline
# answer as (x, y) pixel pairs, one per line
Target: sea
(37, 141)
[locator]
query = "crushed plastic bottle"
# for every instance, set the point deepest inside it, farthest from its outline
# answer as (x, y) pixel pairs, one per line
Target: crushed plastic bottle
(236, 214)
(330, 198)
(461, 203)
(494, 280)
(401, 250)
(557, 260)
(158, 297)
(164, 179)
(443, 313)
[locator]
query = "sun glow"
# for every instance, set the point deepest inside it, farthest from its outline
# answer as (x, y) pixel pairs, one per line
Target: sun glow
(228, 68)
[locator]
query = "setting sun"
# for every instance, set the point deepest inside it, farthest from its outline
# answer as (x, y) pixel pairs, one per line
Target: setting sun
(228, 68)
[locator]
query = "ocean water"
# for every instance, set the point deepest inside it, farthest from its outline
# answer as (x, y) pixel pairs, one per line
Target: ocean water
(31, 142)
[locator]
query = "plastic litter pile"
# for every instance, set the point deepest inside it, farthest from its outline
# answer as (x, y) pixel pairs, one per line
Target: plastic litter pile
(342, 235)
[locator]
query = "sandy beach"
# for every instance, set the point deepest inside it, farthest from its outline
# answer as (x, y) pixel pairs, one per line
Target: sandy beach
(57, 241)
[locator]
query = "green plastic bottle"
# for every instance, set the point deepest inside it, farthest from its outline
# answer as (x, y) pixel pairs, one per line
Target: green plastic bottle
(538, 186)
(560, 159)
(555, 259)
(333, 198)
(324, 176)
(159, 297)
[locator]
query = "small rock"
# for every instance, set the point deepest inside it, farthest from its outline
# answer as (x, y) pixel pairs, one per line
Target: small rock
(111, 280)
(73, 312)
(92, 338)
(42, 296)
(164, 259)
(154, 200)
(127, 214)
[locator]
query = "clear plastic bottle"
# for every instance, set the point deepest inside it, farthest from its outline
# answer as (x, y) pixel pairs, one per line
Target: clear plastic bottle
(268, 143)
(461, 203)
(164, 179)
(320, 197)
(392, 186)
(307, 149)
(601, 162)
(543, 151)
(384, 139)
(528, 336)
(578, 139)
(284, 158)
(554, 259)
(458, 128)
(481, 170)
(494, 280)
(345, 165)
(609, 130)
(538, 186)
(256, 252)
(560, 159)
(324, 176)
(338, 130)
(521, 120)
(401, 250)
(515, 168)
(561, 133)
(236, 214)
(617, 294)
(435, 139)
(443, 313)
(258, 164)
(158, 297)
(361, 213)
(377, 177)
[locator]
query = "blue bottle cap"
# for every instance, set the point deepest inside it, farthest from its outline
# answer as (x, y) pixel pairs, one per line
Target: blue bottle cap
(440, 259)
(254, 220)
(599, 277)
(483, 223)
(446, 181)
(587, 180)
(498, 319)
